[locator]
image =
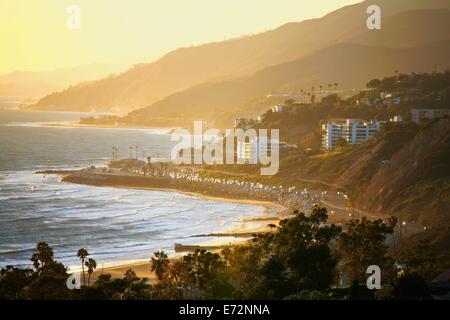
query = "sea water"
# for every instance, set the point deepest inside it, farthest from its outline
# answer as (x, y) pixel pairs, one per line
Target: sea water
(114, 224)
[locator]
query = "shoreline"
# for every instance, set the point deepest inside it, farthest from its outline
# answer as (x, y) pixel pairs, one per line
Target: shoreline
(272, 213)
(142, 267)
(105, 126)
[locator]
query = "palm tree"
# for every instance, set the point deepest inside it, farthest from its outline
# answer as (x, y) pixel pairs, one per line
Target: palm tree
(82, 254)
(329, 86)
(42, 256)
(91, 264)
(335, 85)
(321, 88)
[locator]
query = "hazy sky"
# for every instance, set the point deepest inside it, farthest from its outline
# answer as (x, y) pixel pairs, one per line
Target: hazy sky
(34, 34)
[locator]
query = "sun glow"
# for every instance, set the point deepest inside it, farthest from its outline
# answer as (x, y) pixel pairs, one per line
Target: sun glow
(35, 36)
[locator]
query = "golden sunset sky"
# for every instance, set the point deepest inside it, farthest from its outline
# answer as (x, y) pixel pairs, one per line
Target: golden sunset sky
(34, 35)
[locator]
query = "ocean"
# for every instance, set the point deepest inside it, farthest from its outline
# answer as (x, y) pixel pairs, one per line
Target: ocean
(115, 225)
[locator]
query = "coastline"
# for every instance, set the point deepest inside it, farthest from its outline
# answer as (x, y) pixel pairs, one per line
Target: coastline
(272, 214)
(105, 126)
(142, 267)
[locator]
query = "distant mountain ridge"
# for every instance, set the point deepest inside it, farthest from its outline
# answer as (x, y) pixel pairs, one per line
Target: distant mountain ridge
(174, 81)
(37, 84)
(214, 101)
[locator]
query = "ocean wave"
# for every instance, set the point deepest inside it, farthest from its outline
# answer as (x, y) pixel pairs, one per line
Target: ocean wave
(113, 224)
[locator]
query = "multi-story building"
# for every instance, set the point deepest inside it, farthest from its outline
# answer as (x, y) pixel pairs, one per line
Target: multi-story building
(419, 115)
(251, 151)
(354, 131)
(396, 119)
(261, 118)
(277, 108)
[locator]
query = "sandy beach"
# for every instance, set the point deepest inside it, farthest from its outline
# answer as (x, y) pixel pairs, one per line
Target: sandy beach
(273, 213)
(143, 268)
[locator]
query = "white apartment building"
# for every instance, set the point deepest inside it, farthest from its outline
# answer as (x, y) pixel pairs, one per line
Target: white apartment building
(419, 115)
(277, 108)
(251, 151)
(396, 119)
(354, 131)
(261, 118)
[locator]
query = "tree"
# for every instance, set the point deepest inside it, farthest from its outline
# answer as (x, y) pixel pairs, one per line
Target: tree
(342, 143)
(331, 99)
(411, 286)
(91, 264)
(42, 256)
(420, 259)
(130, 276)
(12, 282)
(49, 280)
(159, 264)
(49, 283)
(363, 245)
(205, 268)
(385, 293)
(82, 254)
(138, 290)
(304, 243)
(374, 84)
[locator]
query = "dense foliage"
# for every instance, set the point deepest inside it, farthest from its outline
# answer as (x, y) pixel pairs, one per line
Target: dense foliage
(302, 258)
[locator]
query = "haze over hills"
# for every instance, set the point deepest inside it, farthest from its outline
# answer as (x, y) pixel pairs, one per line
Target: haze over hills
(351, 65)
(222, 61)
(37, 84)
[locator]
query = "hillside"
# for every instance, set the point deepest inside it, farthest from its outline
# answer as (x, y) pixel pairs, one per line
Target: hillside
(416, 181)
(409, 28)
(37, 84)
(348, 64)
(187, 67)
(227, 99)
(403, 172)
